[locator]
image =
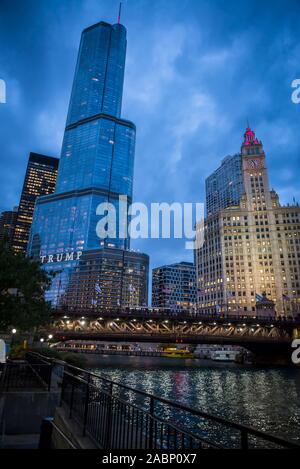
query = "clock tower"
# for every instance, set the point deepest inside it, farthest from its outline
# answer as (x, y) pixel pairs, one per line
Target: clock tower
(255, 175)
(251, 248)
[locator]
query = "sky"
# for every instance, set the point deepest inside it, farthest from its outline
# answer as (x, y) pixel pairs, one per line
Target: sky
(196, 70)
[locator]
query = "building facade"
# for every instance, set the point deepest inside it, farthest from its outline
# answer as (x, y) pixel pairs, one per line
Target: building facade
(174, 286)
(95, 174)
(103, 279)
(8, 221)
(251, 248)
(225, 185)
(40, 179)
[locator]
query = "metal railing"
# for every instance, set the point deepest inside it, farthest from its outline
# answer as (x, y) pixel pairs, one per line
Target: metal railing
(117, 416)
(24, 376)
(163, 313)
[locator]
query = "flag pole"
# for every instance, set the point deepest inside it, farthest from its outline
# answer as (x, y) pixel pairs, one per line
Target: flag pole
(284, 306)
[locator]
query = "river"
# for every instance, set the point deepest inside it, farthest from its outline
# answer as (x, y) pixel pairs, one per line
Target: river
(265, 398)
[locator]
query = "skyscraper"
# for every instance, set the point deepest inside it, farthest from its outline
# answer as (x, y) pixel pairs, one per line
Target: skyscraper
(96, 164)
(40, 179)
(97, 157)
(251, 248)
(225, 186)
(174, 286)
(8, 221)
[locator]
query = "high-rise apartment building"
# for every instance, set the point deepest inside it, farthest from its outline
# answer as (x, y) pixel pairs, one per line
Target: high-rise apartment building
(225, 186)
(96, 166)
(174, 286)
(250, 248)
(8, 221)
(40, 179)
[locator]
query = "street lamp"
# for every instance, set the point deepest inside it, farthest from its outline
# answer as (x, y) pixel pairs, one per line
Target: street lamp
(50, 336)
(14, 331)
(42, 340)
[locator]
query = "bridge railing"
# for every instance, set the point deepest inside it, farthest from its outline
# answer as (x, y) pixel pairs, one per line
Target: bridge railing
(153, 313)
(117, 416)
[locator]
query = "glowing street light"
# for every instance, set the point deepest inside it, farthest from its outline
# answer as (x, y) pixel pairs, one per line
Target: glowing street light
(42, 340)
(50, 336)
(14, 331)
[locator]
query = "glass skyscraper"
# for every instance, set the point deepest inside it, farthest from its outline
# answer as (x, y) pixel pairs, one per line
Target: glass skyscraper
(174, 286)
(225, 186)
(97, 157)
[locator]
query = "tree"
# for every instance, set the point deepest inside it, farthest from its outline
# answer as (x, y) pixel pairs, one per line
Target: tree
(22, 287)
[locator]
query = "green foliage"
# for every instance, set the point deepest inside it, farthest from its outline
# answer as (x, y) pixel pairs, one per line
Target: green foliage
(17, 352)
(22, 287)
(47, 352)
(71, 358)
(74, 359)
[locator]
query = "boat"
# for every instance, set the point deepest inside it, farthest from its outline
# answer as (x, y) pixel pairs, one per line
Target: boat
(173, 352)
(224, 355)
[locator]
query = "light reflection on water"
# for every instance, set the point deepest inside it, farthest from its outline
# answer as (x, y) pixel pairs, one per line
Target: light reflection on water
(264, 398)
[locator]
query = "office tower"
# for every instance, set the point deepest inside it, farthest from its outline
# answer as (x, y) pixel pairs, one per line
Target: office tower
(40, 179)
(224, 186)
(7, 225)
(104, 279)
(252, 248)
(96, 164)
(174, 286)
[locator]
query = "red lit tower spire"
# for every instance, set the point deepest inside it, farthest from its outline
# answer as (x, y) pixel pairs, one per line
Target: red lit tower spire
(249, 138)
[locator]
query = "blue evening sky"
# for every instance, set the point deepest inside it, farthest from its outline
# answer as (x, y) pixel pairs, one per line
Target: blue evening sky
(195, 71)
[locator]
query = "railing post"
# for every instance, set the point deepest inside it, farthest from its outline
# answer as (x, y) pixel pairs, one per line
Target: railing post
(72, 398)
(244, 439)
(86, 404)
(8, 368)
(108, 416)
(62, 389)
(50, 369)
(151, 411)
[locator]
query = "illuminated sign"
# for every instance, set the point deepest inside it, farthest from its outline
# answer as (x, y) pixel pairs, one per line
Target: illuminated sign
(62, 257)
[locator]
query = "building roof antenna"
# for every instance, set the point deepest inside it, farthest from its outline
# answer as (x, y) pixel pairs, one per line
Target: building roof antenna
(119, 15)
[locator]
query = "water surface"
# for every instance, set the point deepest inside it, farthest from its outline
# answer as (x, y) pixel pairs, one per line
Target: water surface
(265, 398)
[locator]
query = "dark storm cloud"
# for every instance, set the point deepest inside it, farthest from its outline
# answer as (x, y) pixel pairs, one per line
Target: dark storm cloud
(196, 70)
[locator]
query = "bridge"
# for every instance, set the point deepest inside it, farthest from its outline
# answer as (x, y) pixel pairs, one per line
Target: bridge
(257, 334)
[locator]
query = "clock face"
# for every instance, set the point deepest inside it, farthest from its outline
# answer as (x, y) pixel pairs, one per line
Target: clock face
(254, 163)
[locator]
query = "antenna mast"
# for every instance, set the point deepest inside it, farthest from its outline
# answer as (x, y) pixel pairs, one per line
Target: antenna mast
(119, 16)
